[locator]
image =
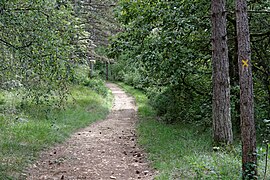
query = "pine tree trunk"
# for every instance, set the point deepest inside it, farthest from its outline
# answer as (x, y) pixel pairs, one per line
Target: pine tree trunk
(222, 127)
(248, 131)
(107, 70)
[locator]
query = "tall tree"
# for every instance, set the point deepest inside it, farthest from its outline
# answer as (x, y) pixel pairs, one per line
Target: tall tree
(222, 126)
(248, 132)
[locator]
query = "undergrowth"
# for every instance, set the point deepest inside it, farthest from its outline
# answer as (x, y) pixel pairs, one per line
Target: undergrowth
(25, 132)
(184, 151)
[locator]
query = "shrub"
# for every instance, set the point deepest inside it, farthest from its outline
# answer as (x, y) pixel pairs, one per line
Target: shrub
(2, 100)
(179, 105)
(97, 85)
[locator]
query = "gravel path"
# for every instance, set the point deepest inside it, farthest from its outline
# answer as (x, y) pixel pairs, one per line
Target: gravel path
(105, 150)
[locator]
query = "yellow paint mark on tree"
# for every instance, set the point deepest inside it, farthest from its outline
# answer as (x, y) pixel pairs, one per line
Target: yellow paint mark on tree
(245, 62)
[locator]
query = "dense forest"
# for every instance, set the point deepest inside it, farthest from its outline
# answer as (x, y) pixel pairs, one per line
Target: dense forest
(195, 61)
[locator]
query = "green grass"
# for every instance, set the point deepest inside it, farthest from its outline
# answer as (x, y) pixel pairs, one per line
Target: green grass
(184, 151)
(21, 140)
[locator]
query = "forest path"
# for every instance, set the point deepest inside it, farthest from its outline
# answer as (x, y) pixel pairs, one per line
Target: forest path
(105, 150)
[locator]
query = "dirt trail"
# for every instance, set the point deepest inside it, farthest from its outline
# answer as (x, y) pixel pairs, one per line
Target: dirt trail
(104, 150)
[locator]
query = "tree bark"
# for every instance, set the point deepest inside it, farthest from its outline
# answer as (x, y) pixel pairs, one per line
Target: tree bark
(107, 70)
(222, 127)
(248, 132)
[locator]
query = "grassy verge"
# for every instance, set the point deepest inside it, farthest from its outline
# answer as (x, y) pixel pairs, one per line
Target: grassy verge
(184, 151)
(23, 137)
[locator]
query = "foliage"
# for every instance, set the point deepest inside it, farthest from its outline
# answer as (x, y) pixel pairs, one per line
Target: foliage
(36, 45)
(173, 105)
(266, 133)
(260, 45)
(23, 136)
(164, 47)
(96, 84)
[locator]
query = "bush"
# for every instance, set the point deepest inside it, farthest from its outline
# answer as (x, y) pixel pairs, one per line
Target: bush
(118, 71)
(81, 74)
(97, 85)
(135, 79)
(173, 104)
(2, 100)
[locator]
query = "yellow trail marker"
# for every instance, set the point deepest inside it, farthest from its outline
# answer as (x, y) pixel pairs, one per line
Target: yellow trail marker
(245, 62)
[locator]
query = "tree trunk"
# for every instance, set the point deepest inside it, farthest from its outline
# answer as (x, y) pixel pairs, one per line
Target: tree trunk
(107, 70)
(248, 132)
(89, 65)
(222, 127)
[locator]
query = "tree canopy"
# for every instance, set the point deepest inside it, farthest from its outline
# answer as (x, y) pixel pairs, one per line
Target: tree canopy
(36, 39)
